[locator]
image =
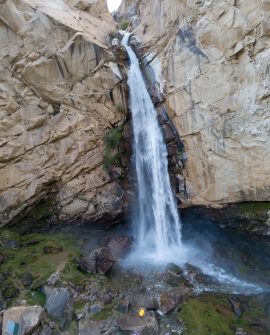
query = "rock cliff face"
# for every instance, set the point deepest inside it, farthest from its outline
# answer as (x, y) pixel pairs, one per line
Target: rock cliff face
(61, 91)
(212, 61)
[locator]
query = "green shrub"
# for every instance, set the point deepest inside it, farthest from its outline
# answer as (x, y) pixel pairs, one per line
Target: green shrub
(124, 25)
(112, 156)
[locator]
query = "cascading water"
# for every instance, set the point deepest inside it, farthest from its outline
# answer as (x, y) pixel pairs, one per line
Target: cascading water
(157, 224)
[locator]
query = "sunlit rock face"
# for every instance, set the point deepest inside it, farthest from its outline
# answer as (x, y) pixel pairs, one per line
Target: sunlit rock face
(60, 92)
(213, 65)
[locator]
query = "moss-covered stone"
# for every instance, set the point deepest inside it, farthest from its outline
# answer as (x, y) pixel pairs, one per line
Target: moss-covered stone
(105, 313)
(9, 239)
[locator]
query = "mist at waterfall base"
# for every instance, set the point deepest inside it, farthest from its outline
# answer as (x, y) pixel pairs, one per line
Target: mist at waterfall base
(156, 223)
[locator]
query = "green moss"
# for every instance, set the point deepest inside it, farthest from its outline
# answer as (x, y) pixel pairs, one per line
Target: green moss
(254, 209)
(202, 316)
(105, 313)
(79, 305)
(31, 258)
(114, 137)
(112, 156)
(124, 25)
(212, 314)
(73, 328)
(36, 298)
(72, 275)
(45, 208)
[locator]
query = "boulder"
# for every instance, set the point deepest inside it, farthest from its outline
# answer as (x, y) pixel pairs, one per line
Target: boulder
(119, 246)
(26, 318)
(133, 324)
(87, 326)
(123, 306)
(172, 298)
(27, 279)
(59, 304)
(99, 261)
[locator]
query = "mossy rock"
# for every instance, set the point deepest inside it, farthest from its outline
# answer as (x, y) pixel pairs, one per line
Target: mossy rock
(52, 248)
(105, 313)
(9, 240)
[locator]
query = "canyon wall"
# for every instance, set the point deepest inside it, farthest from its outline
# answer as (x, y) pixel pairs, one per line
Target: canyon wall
(212, 60)
(61, 93)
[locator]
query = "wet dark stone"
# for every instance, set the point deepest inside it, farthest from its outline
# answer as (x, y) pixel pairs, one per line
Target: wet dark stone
(27, 279)
(99, 261)
(123, 307)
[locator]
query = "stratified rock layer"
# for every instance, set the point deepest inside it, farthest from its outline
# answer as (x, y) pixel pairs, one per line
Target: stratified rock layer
(61, 90)
(211, 60)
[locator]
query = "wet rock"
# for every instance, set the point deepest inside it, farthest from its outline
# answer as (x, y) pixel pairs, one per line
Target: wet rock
(27, 279)
(174, 269)
(121, 53)
(28, 318)
(195, 274)
(94, 309)
(133, 324)
(119, 246)
(123, 307)
(52, 248)
(99, 261)
(59, 305)
(171, 299)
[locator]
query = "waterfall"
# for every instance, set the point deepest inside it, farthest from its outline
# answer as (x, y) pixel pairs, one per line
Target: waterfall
(157, 227)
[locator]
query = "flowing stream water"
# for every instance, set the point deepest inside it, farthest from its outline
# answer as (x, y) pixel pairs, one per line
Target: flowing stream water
(157, 224)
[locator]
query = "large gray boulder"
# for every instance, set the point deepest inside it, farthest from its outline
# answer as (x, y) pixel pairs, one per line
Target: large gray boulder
(59, 304)
(26, 318)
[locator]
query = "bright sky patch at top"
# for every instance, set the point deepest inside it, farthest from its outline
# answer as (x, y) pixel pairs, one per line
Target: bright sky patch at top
(113, 4)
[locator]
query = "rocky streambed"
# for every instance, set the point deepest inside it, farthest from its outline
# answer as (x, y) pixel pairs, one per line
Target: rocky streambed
(75, 280)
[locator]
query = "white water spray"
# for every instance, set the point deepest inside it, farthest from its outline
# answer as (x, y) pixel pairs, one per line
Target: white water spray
(157, 225)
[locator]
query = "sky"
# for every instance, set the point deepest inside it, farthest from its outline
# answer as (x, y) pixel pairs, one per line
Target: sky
(113, 4)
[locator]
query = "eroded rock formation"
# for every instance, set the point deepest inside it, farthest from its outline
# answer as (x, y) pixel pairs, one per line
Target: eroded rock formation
(211, 60)
(61, 91)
